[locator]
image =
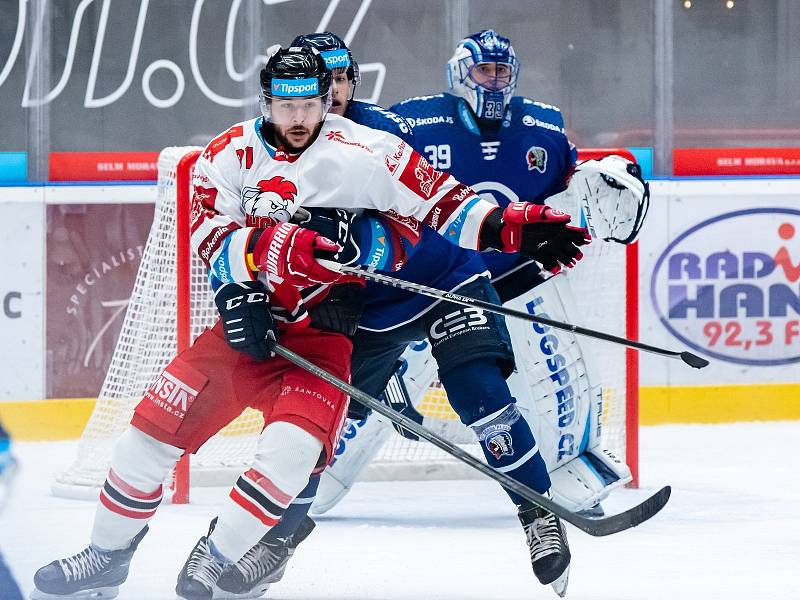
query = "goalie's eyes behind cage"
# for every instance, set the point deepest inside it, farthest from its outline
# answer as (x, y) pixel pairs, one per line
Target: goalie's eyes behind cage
(492, 75)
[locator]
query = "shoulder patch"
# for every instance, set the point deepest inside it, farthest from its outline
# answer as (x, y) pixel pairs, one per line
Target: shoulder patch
(219, 143)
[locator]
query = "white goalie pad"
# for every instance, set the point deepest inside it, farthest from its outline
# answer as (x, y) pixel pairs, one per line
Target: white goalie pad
(587, 480)
(557, 388)
(608, 197)
(360, 442)
(554, 382)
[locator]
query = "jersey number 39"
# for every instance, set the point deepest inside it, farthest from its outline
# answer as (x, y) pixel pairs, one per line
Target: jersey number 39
(439, 156)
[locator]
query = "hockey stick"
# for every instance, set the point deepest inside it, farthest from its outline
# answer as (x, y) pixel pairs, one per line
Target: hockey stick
(690, 359)
(596, 527)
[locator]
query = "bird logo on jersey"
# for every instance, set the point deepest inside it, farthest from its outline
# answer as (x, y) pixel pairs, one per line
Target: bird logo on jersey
(536, 158)
(271, 201)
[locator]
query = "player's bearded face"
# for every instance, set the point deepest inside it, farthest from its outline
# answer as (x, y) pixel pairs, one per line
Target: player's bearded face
(296, 121)
(341, 88)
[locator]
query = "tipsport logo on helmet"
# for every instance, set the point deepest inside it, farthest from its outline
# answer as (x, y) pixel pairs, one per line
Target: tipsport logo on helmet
(336, 59)
(729, 287)
(295, 87)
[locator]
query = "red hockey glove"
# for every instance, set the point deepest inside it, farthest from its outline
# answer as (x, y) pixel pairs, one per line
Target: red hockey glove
(538, 232)
(290, 252)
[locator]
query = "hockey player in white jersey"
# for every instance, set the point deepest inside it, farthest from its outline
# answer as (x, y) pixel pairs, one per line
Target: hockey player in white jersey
(268, 282)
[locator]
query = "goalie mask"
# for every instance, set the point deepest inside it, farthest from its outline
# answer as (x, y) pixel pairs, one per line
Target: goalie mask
(295, 79)
(484, 71)
(334, 52)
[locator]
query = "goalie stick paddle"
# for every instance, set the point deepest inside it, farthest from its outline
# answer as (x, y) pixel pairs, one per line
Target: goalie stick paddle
(690, 359)
(597, 527)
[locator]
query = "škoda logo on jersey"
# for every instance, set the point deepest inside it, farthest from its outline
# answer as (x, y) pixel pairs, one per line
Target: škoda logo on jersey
(272, 199)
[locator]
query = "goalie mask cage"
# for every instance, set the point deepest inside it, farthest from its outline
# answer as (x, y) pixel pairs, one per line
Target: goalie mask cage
(171, 304)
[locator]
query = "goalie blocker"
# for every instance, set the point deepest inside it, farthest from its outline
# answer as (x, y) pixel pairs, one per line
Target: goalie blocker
(556, 387)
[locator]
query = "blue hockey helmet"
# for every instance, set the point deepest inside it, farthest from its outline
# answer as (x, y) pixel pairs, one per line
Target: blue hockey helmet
(334, 51)
(484, 71)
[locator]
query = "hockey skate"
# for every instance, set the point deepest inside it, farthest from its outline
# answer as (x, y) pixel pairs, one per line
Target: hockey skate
(89, 574)
(201, 571)
(547, 541)
(263, 565)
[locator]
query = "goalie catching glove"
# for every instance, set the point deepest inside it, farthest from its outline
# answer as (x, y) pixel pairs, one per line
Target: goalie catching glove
(609, 196)
(536, 231)
(246, 320)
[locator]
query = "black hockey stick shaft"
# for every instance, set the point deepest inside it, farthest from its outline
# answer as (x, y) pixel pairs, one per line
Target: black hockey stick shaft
(596, 527)
(690, 359)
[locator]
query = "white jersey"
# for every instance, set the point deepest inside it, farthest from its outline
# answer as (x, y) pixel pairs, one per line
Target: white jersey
(241, 183)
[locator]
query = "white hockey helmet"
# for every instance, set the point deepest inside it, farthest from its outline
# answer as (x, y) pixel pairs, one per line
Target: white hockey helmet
(487, 95)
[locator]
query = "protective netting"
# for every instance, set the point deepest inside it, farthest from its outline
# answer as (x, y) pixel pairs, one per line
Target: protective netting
(148, 341)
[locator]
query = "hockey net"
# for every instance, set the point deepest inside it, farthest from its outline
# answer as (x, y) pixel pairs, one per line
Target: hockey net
(171, 304)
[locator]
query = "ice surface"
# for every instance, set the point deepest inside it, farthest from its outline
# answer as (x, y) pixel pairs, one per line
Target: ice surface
(731, 531)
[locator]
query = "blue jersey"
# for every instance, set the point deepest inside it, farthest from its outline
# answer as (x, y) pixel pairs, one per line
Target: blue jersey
(377, 117)
(435, 262)
(526, 156)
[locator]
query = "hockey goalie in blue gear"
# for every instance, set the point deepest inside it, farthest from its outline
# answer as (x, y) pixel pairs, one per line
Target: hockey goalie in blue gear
(472, 350)
(511, 148)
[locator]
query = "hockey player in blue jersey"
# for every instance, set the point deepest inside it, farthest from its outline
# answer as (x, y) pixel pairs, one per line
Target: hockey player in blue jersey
(472, 349)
